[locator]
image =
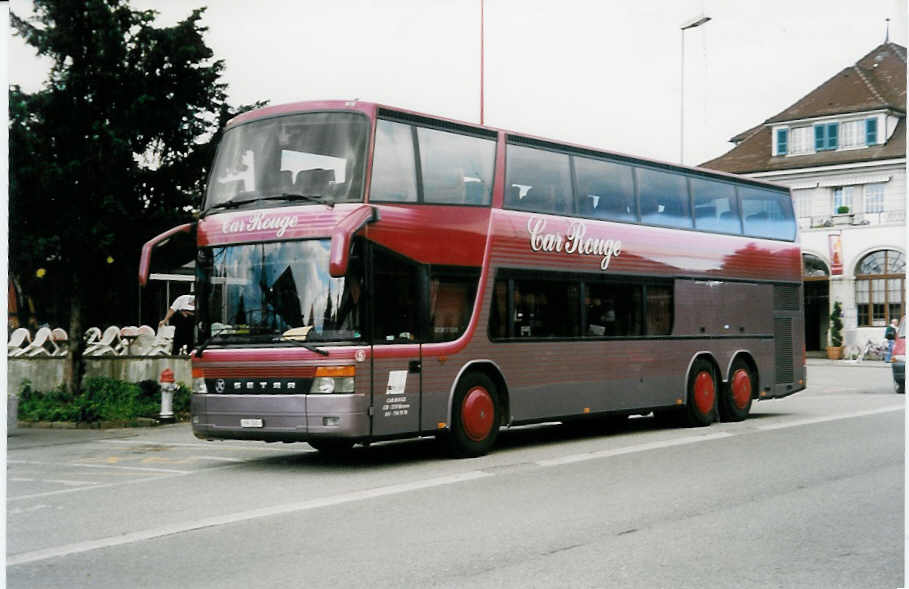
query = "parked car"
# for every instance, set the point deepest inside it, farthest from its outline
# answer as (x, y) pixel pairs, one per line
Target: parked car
(898, 359)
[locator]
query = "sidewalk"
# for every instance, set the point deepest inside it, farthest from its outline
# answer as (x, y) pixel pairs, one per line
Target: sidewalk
(847, 363)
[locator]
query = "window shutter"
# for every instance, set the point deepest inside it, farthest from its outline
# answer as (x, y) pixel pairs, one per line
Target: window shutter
(832, 129)
(819, 137)
(870, 131)
(782, 140)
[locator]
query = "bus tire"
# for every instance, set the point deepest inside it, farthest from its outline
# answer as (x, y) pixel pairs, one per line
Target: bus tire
(475, 417)
(701, 409)
(332, 447)
(735, 398)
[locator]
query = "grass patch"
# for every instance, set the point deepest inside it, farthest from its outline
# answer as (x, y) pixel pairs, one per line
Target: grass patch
(101, 399)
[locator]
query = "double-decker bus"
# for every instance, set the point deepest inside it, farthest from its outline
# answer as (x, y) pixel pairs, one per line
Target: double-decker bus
(365, 273)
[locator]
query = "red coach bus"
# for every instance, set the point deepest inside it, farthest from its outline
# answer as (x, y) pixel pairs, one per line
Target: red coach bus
(366, 273)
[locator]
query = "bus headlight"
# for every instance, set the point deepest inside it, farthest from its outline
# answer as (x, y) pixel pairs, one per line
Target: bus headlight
(333, 379)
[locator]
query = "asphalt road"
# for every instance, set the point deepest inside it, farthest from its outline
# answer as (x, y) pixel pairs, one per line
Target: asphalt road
(809, 492)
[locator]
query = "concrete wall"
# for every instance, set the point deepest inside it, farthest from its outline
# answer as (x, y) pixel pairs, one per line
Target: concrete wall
(47, 373)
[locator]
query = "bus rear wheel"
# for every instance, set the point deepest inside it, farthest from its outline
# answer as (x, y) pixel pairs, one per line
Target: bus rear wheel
(735, 400)
(701, 408)
(474, 417)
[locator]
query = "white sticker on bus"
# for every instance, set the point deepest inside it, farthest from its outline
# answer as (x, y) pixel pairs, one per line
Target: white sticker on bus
(397, 381)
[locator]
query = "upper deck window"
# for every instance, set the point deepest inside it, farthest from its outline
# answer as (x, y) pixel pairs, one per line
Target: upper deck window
(715, 206)
(605, 189)
(310, 154)
(663, 198)
(538, 180)
(454, 168)
(394, 173)
(767, 213)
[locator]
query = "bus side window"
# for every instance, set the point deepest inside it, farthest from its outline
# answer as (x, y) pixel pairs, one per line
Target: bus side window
(542, 179)
(613, 309)
(457, 169)
(715, 206)
(605, 189)
(546, 308)
(767, 213)
(663, 198)
(394, 177)
(451, 296)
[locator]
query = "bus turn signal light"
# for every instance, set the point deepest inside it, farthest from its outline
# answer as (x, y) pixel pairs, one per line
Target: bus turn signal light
(335, 371)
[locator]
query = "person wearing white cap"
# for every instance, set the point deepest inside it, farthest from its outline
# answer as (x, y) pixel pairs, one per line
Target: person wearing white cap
(182, 311)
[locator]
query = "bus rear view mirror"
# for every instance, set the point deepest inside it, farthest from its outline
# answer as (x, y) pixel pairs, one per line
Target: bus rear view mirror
(173, 248)
(339, 255)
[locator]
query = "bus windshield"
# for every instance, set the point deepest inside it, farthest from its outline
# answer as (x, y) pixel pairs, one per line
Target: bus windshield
(313, 154)
(273, 293)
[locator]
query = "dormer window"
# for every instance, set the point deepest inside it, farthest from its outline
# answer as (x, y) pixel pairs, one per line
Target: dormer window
(782, 141)
(826, 136)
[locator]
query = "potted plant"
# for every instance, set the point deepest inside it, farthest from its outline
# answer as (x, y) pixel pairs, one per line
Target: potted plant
(843, 210)
(835, 349)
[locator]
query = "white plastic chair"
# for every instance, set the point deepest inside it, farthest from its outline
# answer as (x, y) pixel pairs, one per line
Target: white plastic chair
(61, 340)
(91, 336)
(42, 345)
(164, 341)
(142, 345)
(18, 341)
(107, 345)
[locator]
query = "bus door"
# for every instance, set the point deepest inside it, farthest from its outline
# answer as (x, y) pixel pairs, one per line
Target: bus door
(396, 305)
(396, 389)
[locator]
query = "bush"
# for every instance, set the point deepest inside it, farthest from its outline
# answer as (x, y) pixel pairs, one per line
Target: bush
(102, 399)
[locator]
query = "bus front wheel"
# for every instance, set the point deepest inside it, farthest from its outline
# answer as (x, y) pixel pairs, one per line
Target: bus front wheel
(701, 408)
(735, 400)
(474, 417)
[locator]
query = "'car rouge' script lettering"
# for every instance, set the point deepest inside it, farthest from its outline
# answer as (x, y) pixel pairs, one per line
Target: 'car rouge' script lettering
(260, 222)
(573, 241)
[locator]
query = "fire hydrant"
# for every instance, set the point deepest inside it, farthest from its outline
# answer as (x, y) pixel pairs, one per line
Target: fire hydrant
(168, 387)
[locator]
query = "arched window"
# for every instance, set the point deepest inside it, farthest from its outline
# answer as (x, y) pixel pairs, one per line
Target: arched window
(879, 287)
(814, 268)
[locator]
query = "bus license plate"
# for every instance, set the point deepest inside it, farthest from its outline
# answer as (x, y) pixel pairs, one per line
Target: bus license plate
(251, 423)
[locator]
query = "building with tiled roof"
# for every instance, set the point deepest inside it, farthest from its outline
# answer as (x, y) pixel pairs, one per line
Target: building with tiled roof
(841, 149)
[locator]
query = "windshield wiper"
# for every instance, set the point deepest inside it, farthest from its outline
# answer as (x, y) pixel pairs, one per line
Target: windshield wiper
(293, 196)
(208, 340)
(296, 342)
(286, 196)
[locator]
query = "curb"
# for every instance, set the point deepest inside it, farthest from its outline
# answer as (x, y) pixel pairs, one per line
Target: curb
(138, 422)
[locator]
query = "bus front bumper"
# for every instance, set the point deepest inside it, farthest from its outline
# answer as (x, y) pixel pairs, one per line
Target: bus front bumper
(280, 418)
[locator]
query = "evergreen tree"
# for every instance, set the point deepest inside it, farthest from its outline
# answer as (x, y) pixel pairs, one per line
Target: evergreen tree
(111, 151)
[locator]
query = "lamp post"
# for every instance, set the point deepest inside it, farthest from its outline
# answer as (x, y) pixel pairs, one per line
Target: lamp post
(693, 23)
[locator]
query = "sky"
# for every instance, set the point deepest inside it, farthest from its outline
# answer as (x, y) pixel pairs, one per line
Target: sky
(600, 73)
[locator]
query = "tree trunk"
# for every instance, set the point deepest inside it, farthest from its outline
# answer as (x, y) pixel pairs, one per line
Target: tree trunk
(75, 364)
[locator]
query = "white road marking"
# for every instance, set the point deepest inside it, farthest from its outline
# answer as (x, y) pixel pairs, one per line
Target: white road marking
(21, 510)
(572, 458)
(68, 483)
(131, 537)
(107, 466)
(825, 418)
(211, 446)
(219, 458)
(99, 486)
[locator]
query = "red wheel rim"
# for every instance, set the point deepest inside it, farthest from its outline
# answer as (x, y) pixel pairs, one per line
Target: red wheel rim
(477, 413)
(741, 388)
(704, 392)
